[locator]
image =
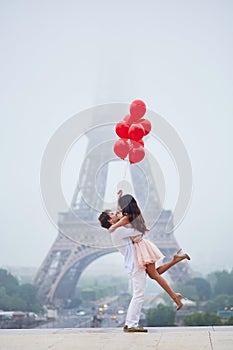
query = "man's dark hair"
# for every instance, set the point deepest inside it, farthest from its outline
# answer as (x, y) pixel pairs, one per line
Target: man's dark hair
(104, 219)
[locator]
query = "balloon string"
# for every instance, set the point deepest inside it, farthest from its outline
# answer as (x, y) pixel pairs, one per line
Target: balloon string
(126, 168)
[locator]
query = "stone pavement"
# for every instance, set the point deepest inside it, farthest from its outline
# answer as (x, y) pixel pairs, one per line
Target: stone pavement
(160, 338)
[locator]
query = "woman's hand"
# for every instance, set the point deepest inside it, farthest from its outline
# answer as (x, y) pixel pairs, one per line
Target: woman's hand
(119, 193)
(111, 229)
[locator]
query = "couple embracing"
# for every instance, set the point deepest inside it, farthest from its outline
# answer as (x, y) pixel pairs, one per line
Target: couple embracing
(127, 228)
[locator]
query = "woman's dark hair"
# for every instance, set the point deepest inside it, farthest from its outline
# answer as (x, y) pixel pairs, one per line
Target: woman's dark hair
(130, 208)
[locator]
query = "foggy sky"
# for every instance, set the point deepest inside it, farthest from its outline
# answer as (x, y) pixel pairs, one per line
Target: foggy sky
(61, 57)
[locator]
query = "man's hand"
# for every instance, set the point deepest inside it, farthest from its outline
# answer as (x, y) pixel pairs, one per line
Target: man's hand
(137, 239)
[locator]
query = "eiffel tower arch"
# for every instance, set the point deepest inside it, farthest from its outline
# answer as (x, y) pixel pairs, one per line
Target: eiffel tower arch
(80, 239)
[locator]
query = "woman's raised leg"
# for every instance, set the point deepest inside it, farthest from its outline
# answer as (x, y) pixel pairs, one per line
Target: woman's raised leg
(153, 274)
(176, 259)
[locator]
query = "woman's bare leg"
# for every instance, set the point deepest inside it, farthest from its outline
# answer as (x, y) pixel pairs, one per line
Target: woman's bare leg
(163, 268)
(176, 258)
(154, 274)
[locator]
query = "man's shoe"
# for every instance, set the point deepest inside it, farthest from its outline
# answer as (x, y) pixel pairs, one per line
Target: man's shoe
(137, 329)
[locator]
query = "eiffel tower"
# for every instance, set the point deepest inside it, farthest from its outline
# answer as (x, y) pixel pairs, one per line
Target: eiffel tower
(80, 238)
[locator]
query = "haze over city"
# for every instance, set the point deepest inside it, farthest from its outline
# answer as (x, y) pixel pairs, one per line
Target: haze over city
(59, 58)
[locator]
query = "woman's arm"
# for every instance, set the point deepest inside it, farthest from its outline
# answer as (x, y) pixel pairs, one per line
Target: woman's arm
(119, 194)
(122, 222)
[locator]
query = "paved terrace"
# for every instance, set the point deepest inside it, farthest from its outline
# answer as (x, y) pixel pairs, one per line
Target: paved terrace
(169, 338)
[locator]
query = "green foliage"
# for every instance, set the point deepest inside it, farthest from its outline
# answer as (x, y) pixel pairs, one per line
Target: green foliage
(229, 322)
(212, 295)
(91, 289)
(10, 303)
(9, 282)
(27, 292)
(88, 294)
(202, 287)
(189, 291)
(202, 319)
(161, 316)
(197, 289)
(211, 306)
(74, 303)
(219, 303)
(17, 297)
(223, 282)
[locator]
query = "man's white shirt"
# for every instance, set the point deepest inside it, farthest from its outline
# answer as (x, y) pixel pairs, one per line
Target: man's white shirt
(122, 241)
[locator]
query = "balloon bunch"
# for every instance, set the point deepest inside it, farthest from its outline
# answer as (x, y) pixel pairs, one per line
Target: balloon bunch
(131, 130)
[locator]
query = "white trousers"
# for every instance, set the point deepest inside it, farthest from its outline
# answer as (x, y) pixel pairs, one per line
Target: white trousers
(135, 306)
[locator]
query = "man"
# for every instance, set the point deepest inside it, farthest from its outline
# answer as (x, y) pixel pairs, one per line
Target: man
(121, 240)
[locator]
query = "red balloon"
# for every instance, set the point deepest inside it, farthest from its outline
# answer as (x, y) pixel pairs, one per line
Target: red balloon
(136, 132)
(122, 129)
(137, 109)
(129, 120)
(136, 154)
(138, 143)
(121, 148)
(146, 125)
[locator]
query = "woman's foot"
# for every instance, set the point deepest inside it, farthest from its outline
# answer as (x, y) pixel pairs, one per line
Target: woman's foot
(179, 257)
(177, 300)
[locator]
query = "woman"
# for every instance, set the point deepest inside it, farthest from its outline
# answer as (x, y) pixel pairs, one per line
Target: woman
(146, 253)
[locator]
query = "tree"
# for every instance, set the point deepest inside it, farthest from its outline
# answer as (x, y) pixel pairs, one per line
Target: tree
(224, 283)
(202, 319)
(8, 303)
(189, 290)
(195, 319)
(202, 286)
(161, 316)
(219, 303)
(229, 322)
(9, 282)
(212, 319)
(211, 306)
(27, 292)
(88, 294)
(75, 302)
(17, 297)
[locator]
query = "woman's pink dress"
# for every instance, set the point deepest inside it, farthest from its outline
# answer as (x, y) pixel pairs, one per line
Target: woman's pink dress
(145, 252)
